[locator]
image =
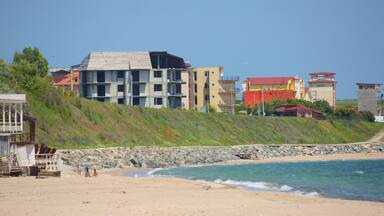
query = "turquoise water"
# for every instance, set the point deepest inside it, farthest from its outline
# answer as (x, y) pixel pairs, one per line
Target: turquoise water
(355, 179)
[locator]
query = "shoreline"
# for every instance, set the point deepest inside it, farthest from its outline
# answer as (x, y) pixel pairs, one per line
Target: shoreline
(300, 158)
(113, 194)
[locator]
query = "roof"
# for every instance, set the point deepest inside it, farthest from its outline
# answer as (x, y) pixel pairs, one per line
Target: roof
(291, 107)
(116, 61)
(322, 73)
(12, 98)
(321, 81)
(67, 79)
(271, 80)
(369, 84)
(57, 78)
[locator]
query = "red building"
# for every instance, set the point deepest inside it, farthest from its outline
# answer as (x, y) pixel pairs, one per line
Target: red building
(297, 110)
(268, 89)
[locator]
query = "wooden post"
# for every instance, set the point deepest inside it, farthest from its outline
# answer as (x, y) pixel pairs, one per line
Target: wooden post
(21, 116)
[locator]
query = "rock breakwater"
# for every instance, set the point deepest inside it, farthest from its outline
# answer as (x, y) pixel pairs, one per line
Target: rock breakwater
(155, 157)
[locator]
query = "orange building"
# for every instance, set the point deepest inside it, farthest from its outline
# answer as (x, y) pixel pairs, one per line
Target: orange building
(270, 89)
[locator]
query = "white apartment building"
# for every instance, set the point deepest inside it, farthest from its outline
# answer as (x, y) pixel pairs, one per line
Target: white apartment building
(148, 79)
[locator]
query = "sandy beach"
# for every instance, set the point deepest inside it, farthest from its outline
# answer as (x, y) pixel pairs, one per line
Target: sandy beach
(109, 194)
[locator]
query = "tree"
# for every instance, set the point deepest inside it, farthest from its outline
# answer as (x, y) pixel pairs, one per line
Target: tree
(28, 66)
(33, 57)
(323, 106)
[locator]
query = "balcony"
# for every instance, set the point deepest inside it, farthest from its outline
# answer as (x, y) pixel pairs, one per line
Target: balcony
(233, 91)
(226, 105)
(229, 79)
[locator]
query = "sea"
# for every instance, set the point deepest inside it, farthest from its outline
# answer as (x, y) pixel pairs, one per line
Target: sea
(344, 179)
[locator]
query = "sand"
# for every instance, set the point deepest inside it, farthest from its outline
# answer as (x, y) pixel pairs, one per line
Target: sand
(111, 195)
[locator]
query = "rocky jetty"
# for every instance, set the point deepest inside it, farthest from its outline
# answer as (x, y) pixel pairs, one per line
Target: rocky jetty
(154, 157)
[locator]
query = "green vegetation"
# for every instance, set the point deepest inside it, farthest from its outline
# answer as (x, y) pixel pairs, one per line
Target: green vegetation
(346, 103)
(64, 121)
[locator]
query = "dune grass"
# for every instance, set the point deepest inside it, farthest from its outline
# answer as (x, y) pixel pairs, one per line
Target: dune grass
(68, 122)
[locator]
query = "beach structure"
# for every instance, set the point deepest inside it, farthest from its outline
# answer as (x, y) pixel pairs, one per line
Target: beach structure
(368, 95)
(148, 79)
(322, 86)
(297, 110)
(210, 89)
(17, 148)
(267, 89)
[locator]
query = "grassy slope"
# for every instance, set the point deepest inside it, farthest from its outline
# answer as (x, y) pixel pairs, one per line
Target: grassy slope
(80, 123)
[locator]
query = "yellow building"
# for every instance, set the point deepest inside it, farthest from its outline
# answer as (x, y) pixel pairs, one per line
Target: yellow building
(209, 89)
(322, 86)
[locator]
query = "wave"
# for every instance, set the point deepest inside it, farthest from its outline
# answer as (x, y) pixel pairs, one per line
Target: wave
(265, 186)
(358, 172)
(151, 172)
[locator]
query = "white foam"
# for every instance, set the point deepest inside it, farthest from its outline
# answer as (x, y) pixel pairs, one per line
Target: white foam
(358, 172)
(285, 188)
(151, 172)
(309, 194)
(254, 185)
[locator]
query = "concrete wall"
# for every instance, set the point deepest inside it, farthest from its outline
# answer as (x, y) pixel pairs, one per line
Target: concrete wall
(367, 100)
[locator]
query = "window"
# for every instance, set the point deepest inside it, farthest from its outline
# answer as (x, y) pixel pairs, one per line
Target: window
(120, 74)
(158, 101)
(195, 75)
(206, 73)
(158, 87)
(213, 84)
(120, 88)
(120, 100)
(158, 74)
(101, 90)
(206, 97)
(206, 85)
(135, 76)
(100, 76)
(100, 99)
(135, 101)
(195, 87)
(195, 99)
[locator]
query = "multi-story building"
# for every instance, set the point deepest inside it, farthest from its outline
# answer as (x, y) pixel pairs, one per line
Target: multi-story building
(210, 89)
(268, 89)
(150, 79)
(368, 97)
(322, 86)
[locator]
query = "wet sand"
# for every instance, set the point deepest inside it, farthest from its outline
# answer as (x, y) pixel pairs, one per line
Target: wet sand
(109, 194)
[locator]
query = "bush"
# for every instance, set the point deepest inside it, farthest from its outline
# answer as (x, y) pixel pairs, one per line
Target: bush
(367, 115)
(345, 113)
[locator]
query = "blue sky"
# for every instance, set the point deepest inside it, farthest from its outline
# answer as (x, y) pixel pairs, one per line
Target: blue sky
(249, 38)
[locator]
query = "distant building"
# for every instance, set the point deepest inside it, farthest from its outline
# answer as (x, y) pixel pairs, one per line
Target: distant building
(210, 89)
(368, 97)
(58, 74)
(268, 89)
(148, 79)
(296, 110)
(322, 86)
(69, 82)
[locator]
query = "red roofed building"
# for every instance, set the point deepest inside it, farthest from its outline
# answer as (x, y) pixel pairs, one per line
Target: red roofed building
(297, 110)
(268, 89)
(65, 83)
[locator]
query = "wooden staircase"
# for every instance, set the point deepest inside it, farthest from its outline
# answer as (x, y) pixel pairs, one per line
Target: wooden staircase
(9, 166)
(4, 166)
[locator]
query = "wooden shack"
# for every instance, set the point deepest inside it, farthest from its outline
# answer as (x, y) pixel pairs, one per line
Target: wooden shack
(17, 148)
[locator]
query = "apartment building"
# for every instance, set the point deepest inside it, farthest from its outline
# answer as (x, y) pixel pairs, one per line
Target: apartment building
(148, 79)
(368, 95)
(322, 86)
(267, 89)
(208, 88)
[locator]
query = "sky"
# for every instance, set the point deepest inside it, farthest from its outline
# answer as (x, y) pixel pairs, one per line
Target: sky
(249, 38)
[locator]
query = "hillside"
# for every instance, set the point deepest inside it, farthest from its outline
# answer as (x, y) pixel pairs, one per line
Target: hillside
(69, 122)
